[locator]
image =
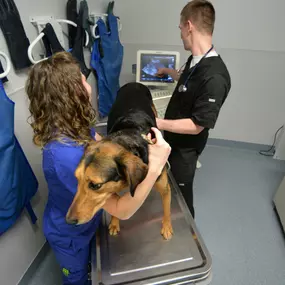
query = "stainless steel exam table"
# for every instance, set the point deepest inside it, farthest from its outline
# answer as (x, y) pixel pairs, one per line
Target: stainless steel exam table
(140, 256)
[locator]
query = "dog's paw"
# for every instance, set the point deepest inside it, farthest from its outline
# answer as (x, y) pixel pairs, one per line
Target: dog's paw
(114, 227)
(114, 230)
(166, 230)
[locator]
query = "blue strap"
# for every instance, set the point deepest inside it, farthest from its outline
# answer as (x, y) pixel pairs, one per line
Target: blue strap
(113, 24)
(31, 213)
(102, 28)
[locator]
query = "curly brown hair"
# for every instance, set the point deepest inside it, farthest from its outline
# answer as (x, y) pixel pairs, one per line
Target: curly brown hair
(59, 103)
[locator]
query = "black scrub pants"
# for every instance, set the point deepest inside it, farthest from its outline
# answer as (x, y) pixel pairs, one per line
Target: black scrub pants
(183, 167)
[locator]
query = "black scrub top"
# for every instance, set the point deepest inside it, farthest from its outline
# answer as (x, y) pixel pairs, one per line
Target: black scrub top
(207, 90)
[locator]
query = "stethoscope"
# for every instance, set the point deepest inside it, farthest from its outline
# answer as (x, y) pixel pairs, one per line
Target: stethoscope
(183, 87)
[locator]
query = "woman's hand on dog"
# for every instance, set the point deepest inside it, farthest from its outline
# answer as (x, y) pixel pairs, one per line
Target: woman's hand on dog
(98, 137)
(158, 152)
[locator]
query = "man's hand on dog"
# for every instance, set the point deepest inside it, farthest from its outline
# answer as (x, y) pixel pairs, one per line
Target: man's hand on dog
(158, 152)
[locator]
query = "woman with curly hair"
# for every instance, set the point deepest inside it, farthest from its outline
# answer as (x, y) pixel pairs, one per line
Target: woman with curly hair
(62, 118)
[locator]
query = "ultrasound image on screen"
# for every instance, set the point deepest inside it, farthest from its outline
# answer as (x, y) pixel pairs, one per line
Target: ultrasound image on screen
(151, 63)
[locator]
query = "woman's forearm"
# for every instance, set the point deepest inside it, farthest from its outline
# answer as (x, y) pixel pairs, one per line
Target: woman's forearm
(126, 206)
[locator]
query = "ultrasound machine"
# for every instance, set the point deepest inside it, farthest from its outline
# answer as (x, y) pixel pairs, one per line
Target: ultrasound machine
(145, 70)
(148, 64)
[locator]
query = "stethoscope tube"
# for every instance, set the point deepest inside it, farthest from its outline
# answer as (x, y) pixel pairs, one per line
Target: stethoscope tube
(183, 87)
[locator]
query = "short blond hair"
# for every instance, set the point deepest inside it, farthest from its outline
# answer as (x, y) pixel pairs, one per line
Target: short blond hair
(201, 13)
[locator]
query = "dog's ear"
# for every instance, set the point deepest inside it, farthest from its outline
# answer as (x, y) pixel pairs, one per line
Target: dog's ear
(79, 172)
(87, 158)
(132, 169)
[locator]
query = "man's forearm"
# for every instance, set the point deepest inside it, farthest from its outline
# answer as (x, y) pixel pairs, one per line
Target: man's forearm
(181, 126)
(172, 72)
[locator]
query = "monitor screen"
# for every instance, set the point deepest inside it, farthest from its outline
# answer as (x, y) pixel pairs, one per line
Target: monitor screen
(151, 63)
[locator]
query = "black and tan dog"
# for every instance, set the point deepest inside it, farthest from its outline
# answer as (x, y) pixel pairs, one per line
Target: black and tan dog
(120, 160)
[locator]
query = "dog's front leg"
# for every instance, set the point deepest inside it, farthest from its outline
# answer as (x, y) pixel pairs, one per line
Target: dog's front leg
(114, 226)
(163, 187)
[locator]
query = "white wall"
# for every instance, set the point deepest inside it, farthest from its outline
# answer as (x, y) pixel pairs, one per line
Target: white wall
(20, 245)
(249, 35)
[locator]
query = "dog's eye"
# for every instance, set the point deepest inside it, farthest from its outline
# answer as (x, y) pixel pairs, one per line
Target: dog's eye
(94, 186)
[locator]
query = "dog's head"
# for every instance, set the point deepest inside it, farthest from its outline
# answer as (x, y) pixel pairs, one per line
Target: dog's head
(106, 168)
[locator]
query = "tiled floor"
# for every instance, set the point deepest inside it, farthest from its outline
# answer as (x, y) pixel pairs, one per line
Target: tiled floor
(234, 213)
(234, 192)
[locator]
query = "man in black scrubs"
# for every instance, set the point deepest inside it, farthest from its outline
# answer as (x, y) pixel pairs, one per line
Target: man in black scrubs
(200, 93)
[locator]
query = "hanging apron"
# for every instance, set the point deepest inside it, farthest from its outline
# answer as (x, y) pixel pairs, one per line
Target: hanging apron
(77, 51)
(106, 60)
(18, 183)
(50, 41)
(84, 21)
(52, 46)
(71, 15)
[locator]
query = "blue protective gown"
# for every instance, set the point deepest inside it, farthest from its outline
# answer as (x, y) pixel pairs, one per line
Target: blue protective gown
(107, 65)
(70, 243)
(18, 183)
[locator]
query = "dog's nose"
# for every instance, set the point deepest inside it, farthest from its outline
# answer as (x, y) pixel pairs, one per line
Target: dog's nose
(71, 221)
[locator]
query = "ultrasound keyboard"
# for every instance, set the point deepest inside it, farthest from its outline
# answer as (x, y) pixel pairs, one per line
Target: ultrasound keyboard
(161, 99)
(161, 94)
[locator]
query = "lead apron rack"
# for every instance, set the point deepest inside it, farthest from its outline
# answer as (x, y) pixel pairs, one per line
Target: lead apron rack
(139, 255)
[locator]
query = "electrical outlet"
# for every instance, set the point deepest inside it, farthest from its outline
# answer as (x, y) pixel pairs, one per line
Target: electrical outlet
(134, 69)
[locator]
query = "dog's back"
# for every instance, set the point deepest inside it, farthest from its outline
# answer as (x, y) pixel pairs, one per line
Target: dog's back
(133, 109)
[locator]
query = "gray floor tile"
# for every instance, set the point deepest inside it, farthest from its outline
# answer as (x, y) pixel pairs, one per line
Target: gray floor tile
(48, 272)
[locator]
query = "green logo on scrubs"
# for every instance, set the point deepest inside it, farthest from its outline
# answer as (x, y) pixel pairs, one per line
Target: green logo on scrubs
(65, 272)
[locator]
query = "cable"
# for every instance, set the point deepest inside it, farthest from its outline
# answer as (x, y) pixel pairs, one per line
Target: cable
(271, 150)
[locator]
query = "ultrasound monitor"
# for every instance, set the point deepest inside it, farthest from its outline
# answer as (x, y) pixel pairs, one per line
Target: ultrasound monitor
(149, 62)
